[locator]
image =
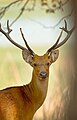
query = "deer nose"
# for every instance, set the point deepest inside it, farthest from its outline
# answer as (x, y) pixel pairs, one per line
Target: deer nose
(43, 74)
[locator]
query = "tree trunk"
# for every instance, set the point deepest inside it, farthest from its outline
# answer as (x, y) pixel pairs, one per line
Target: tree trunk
(71, 111)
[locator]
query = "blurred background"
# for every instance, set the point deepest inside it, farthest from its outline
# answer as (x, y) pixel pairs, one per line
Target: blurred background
(40, 21)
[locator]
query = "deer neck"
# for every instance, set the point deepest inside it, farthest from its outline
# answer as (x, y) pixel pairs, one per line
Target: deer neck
(36, 91)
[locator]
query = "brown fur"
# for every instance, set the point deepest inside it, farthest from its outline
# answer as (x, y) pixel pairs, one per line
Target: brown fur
(21, 103)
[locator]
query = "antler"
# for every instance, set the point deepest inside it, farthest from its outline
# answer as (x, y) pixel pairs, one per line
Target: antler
(31, 51)
(69, 32)
(12, 41)
(8, 36)
(49, 50)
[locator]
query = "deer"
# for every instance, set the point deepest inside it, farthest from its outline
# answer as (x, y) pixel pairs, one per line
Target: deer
(21, 102)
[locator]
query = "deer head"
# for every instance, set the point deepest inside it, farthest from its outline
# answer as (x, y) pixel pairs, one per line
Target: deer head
(39, 63)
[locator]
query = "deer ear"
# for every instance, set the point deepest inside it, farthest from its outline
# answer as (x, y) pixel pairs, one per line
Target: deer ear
(54, 55)
(27, 56)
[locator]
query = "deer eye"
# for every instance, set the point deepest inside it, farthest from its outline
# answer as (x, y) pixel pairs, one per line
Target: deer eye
(35, 64)
(48, 64)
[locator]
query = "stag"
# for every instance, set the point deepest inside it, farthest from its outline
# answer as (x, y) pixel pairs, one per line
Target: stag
(21, 102)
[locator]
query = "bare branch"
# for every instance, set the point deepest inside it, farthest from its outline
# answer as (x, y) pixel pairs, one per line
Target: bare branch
(50, 7)
(20, 13)
(54, 26)
(3, 10)
(65, 17)
(33, 6)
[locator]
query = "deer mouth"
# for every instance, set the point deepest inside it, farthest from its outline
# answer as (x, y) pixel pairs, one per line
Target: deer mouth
(43, 78)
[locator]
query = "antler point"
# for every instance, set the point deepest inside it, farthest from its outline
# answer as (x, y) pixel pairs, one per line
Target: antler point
(21, 29)
(0, 25)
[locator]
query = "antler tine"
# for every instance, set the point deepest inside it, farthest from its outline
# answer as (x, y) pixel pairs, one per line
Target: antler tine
(53, 47)
(8, 27)
(69, 33)
(8, 36)
(31, 51)
(0, 25)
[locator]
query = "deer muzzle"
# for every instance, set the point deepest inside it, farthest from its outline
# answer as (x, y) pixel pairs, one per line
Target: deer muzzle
(43, 74)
